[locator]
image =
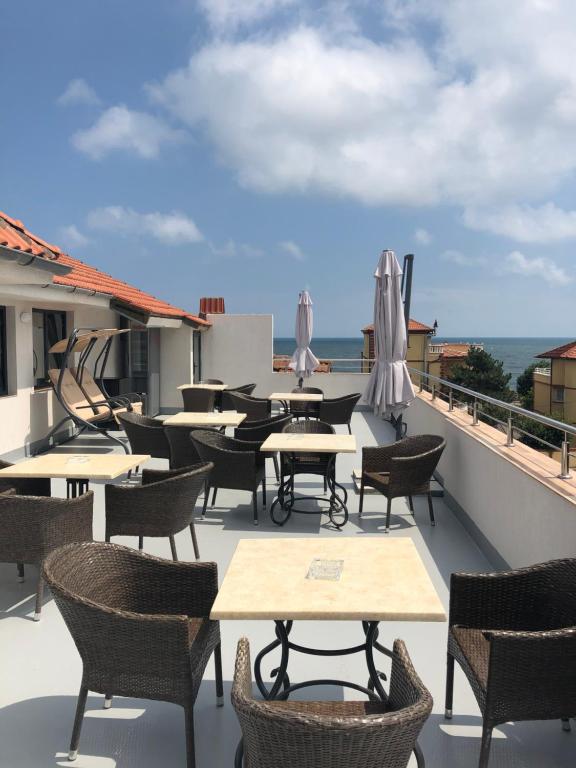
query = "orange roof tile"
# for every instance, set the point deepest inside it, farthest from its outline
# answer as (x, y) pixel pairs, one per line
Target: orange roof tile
(565, 352)
(14, 234)
(454, 350)
(212, 306)
(413, 327)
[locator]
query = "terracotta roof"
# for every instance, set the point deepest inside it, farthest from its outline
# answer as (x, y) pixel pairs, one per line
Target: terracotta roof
(14, 234)
(413, 327)
(454, 350)
(565, 352)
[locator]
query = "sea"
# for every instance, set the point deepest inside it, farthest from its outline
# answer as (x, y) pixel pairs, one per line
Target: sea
(515, 353)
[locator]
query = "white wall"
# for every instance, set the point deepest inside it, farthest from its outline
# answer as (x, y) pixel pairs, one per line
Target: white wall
(523, 519)
(176, 364)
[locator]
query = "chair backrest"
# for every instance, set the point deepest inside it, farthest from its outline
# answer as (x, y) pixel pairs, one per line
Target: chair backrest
(338, 410)
(332, 733)
(92, 391)
(183, 452)
(259, 431)
(197, 399)
(255, 408)
(415, 466)
(303, 408)
(310, 427)
(211, 381)
(145, 434)
(226, 401)
(73, 398)
(308, 390)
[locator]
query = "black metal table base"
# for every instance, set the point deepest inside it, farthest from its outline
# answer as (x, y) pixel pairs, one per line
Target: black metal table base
(76, 487)
(336, 499)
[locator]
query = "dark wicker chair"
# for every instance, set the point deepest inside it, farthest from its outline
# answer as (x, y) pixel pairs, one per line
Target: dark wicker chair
(338, 410)
(404, 468)
(226, 401)
(304, 410)
(258, 431)
(514, 635)
(25, 486)
(307, 463)
(331, 734)
(32, 526)
(145, 435)
(237, 464)
(162, 506)
(211, 381)
(198, 400)
(140, 624)
(183, 452)
(255, 408)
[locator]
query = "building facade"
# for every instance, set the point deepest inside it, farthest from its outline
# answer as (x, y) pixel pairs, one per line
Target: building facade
(555, 387)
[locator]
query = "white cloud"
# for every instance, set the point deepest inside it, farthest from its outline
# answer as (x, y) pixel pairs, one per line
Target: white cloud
(422, 236)
(540, 266)
(228, 14)
(474, 120)
(462, 259)
(78, 92)
(293, 250)
(173, 228)
(232, 249)
(120, 128)
(71, 237)
(526, 224)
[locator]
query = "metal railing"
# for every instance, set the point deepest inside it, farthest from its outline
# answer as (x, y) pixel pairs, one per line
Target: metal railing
(339, 364)
(542, 371)
(446, 389)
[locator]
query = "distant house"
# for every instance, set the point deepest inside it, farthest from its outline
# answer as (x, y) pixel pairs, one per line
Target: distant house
(443, 357)
(418, 339)
(555, 387)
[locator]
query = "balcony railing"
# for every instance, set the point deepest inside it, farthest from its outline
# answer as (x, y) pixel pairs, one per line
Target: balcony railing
(542, 371)
(448, 391)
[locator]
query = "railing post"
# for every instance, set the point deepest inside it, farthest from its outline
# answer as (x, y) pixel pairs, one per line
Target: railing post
(421, 383)
(450, 401)
(565, 460)
(475, 414)
(509, 433)
(433, 390)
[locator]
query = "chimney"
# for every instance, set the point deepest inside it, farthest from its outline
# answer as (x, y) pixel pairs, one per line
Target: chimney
(211, 306)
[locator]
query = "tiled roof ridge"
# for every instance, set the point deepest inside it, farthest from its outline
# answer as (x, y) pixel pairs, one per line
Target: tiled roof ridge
(565, 350)
(413, 325)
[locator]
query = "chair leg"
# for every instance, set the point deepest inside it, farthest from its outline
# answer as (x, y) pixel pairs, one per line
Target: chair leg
(107, 701)
(361, 506)
(566, 724)
(194, 542)
(140, 543)
(239, 756)
(276, 467)
(173, 549)
(264, 494)
(431, 509)
(80, 707)
(325, 484)
(20, 567)
(485, 748)
(411, 505)
(219, 683)
(39, 593)
(206, 495)
(449, 686)
(388, 511)
(214, 496)
(190, 751)
(255, 507)
(349, 429)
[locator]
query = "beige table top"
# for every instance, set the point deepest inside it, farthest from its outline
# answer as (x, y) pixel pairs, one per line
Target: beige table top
(82, 466)
(208, 419)
(308, 397)
(289, 442)
(380, 580)
(215, 387)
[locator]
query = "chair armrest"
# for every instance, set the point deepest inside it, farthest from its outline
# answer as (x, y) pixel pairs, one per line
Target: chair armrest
(150, 476)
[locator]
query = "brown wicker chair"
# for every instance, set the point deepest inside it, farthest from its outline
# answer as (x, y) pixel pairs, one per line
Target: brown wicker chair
(404, 468)
(140, 624)
(303, 410)
(237, 464)
(514, 635)
(307, 463)
(198, 400)
(258, 431)
(226, 401)
(32, 526)
(211, 381)
(331, 734)
(183, 452)
(255, 408)
(25, 486)
(145, 435)
(162, 506)
(338, 410)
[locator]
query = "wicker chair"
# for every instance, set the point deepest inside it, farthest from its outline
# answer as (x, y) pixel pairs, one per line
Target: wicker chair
(307, 463)
(32, 526)
(331, 734)
(140, 624)
(162, 506)
(258, 431)
(338, 410)
(404, 468)
(226, 401)
(302, 409)
(237, 464)
(255, 408)
(211, 381)
(514, 635)
(145, 435)
(183, 452)
(198, 400)
(25, 486)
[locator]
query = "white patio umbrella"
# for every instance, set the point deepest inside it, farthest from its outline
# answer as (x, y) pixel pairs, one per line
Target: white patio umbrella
(389, 388)
(303, 361)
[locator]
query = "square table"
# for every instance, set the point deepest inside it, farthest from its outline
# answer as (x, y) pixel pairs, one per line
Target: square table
(293, 443)
(214, 387)
(205, 419)
(345, 579)
(298, 397)
(77, 468)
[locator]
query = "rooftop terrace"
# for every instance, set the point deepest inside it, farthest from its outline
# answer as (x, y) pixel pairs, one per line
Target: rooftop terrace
(40, 667)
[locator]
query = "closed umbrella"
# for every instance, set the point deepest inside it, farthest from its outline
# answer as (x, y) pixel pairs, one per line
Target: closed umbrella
(389, 388)
(303, 361)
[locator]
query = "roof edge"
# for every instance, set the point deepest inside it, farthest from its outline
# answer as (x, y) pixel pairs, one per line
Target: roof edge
(39, 262)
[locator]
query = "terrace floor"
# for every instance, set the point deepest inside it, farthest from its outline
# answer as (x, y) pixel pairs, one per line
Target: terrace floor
(40, 669)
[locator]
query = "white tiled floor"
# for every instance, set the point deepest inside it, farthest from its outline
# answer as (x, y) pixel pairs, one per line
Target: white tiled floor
(40, 668)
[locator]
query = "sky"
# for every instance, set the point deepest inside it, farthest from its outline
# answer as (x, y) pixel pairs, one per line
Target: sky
(253, 148)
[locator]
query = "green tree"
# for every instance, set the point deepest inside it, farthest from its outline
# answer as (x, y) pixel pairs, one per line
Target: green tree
(525, 383)
(483, 373)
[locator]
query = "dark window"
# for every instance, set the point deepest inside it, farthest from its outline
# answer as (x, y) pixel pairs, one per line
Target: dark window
(197, 356)
(48, 327)
(3, 351)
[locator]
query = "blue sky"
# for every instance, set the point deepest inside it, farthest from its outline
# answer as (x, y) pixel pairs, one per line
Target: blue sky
(248, 149)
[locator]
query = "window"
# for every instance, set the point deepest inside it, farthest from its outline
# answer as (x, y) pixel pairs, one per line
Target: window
(557, 394)
(3, 353)
(48, 327)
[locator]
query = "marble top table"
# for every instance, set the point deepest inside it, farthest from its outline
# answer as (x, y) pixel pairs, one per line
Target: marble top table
(77, 468)
(205, 419)
(214, 387)
(308, 442)
(297, 397)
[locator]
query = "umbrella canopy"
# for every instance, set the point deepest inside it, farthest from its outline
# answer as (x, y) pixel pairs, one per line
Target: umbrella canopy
(303, 361)
(389, 388)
